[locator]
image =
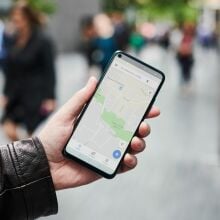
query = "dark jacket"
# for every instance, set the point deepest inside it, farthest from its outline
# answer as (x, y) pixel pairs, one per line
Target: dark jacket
(33, 64)
(26, 187)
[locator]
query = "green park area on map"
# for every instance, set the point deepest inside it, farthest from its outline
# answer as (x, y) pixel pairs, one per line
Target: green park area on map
(99, 97)
(117, 125)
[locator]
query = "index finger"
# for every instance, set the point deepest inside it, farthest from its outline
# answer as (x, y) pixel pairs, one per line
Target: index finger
(154, 112)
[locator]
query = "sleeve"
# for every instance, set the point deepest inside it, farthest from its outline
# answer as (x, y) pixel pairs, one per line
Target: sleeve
(26, 187)
(48, 55)
(8, 42)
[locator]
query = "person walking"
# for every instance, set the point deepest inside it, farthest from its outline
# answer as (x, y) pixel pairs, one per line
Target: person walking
(104, 42)
(29, 90)
(185, 53)
(1, 37)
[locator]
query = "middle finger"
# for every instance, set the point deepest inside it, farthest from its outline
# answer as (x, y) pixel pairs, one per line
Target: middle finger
(137, 145)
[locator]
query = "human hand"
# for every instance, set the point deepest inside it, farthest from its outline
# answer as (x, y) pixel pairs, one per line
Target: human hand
(67, 173)
(3, 101)
(48, 106)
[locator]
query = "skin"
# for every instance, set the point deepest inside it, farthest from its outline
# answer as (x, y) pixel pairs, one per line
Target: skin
(69, 174)
(22, 27)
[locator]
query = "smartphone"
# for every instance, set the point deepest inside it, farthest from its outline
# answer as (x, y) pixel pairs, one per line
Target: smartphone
(107, 124)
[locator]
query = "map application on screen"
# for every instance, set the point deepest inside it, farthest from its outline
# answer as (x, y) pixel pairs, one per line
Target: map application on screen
(113, 115)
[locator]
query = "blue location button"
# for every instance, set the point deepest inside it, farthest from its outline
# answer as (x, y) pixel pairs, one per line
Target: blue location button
(117, 154)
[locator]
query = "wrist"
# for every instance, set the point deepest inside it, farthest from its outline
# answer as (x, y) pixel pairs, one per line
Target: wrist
(54, 171)
(52, 166)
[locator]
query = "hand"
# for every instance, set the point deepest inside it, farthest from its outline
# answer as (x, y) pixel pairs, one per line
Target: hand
(48, 106)
(3, 101)
(66, 173)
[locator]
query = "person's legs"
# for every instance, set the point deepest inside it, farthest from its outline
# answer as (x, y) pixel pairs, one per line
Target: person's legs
(183, 73)
(10, 129)
(186, 74)
(188, 69)
(32, 120)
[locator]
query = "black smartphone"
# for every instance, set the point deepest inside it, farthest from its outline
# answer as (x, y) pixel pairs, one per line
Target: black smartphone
(107, 124)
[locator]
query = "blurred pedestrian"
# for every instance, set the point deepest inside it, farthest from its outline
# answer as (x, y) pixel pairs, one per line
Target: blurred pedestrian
(88, 35)
(136, 41)
(29, 72)
(105, 42)
(1, 37)
(185, 53)
(206, 34)
(164, 40)
(122, 30)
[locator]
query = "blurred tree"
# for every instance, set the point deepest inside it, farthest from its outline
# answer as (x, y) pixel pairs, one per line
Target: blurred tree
(118, 5)
(178, 10)
(42, 6)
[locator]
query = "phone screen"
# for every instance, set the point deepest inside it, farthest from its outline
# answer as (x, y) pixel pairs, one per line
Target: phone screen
(112, 117)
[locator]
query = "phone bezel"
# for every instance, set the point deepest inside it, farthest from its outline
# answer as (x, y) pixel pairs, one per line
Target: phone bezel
(100, 172)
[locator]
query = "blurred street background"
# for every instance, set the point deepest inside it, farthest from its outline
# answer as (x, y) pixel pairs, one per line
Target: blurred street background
(178, 176)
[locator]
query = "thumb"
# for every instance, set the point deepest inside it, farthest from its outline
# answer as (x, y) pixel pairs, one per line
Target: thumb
(75, 105)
